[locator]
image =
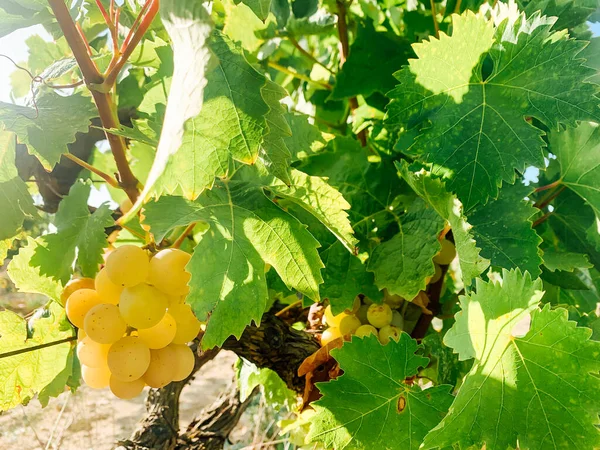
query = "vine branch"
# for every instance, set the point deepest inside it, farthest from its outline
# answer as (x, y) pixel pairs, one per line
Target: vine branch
(299, 76)
(37, 347)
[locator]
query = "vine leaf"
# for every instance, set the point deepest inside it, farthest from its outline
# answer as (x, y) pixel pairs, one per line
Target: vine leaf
(371, 49)
(578, 152)
(15, 202)
(565, 261)
(15, 15)
(538, 389)
(472, 116)
(306, 139)
(38, 371)
(371, 405)
(403, 263)
(259, 7)
(228, 284)
(569, 14)
(449, 208)
(47, 131)
(27, 277)
(80, 237)
(503, 230)
(189, 26)
(274, 389)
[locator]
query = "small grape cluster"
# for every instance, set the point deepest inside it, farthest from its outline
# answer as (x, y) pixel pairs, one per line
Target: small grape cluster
(134, 324)
(382, 320)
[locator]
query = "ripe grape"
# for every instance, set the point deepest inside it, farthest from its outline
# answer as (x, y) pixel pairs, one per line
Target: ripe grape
(104, 324)
(107, 290)
(75, 285)
(91, 353)
(329, 335)
(389, 332)
(349, 324)
(162, 368)
(397, 320)
(437, 275)
(355, 305)
(365, 330)
(95, 377)
(188, 326)
(127, 265)
(79, 303)
(175, 300)
(331, 319)
(161, 334)
(362, 313)
(446, 254)
(126, 389)
(393, 301)
(143, 306)
(167, 271)
(185, 361)
(128, 358)
(379, 315)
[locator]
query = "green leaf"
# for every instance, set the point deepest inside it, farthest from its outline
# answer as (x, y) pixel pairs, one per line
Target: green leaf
(259, 7)
(539, 390)
(503, 230)
(244, 27)
(27, 277)
(247, 230)
(80, 235)
(578, 152)
(565, 261)
(449, 208)
(48, 130)
(592, 56)
(476, 87)
(275, 391)
(403, 264)
(570, 13)
(306, 139)
(15, 202)
(41, 370)
(373, 58)
(189, 27)
(371, 405)
(25, 18)
(230, 127)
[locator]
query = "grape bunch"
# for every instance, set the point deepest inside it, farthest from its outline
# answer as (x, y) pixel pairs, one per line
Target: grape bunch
(386, 320)
(134, 324)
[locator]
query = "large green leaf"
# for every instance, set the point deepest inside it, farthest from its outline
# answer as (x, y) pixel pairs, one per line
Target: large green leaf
(540, 390)
(80, 235)
(578, 152)
(35, 370)
(570, 13)
(306, 139)
(274, 389)
(29, 278)
(189, 26)
(373, 58)
(22, 18)
(15, 202)
(433, 191)
(49, 129)
(466, 98)
(371, 405)
(228, 265)
(503, 230)
(259, 7)
(403, 263)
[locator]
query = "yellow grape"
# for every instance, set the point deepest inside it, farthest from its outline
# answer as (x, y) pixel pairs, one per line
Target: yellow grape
(79, 303)
(393, 301)
(355, 305)
(107, 290)
(446, 254)
(331, 319)
(185, 361)
(175, 300)
(161, 334)
(143, 306)
(80, 334)
(75, 285)
(188, 326)
(379, 315)
(397, 320)
(389, 332)
(104, 324)
(362, 314)
(95, 377)
(128, 358)
(365, 330)
(162, 368)
(167, 271)
(329, 335)
(437, 275)
(126, 389)
(127, 265)
(349, 324)
(91, 353)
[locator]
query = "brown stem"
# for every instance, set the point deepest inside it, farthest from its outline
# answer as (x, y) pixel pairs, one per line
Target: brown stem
(548, 186)
(103, 100)
(106, 177)
(37, 347)
(183, 235)
(434, 294)
(296, 44)
(436, 26)
(541, 220)
(343, 36)
(545, 201)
